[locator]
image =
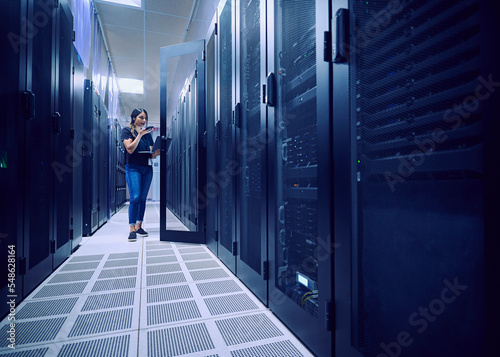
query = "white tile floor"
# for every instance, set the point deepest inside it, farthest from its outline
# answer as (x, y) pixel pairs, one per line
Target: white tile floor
(147, 298)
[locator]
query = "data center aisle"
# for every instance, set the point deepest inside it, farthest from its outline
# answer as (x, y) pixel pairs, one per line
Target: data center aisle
(147, 298)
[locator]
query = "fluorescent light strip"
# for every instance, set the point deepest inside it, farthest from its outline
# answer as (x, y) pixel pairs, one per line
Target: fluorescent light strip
(128, 85)
(135, 3)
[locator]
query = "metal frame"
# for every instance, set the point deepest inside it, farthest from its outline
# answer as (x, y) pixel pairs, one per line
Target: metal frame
(198, 47)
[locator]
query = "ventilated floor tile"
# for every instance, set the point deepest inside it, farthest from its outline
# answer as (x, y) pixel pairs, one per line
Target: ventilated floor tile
(230, 303)
(79, 266)
(123, 255)
(192, 250)
(197, 256)
(33, 331)
(117, 273)
(275, 349)
(244, 329)
(158, 247)
(46, 308)
(171, 312)
(118, 346)
(208, 274)
(114, 284)
(121, 263)
(109, 301)
(159, 260)
(38, 352)
(159, 252)
(218, 287)
(176, 341)
(86, 258)
(165, 279)
(71, 277)
(100, 322)
(177, 292)
(164, 268)
(203, 264)
(60, 290)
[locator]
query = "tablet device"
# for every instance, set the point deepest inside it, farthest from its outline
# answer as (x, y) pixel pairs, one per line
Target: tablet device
(156, 146)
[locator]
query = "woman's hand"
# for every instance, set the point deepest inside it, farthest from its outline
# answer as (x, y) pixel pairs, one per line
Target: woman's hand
(157, 153)
(144, 131)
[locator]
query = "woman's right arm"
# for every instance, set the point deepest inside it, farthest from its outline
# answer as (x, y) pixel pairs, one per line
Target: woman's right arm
(131, 144)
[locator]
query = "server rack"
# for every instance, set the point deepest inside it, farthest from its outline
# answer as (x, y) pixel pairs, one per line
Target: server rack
(62, 164)
(102, 147)
(77, 153)
(14, 91)
(38, 93)
(297, 95)
(251, 147)
(414, 181)
(113, 143)
(225, 135)
(211, 190)
(121, 184)
(90, 159)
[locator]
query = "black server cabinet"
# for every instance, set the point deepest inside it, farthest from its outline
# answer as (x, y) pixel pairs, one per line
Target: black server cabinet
(211, 189)
(102, 153)
(121, 185)
(225, 136)
(77, 153)
(297, 96)
(251, 146)
(19, 107)
(413, 137)
(38, 173)
(113, 173)
(62, 163)
(90, 160)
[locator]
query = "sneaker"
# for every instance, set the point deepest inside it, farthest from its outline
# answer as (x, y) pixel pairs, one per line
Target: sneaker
(132, 237)
(141, 232)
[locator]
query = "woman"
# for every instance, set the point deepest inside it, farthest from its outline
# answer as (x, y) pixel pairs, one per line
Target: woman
(139, 173)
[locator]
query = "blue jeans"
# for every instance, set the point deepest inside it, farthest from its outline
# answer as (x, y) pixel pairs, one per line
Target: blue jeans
(138, 181)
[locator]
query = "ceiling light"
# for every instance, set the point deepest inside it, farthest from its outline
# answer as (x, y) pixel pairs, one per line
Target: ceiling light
(129, 85)
(135, 3)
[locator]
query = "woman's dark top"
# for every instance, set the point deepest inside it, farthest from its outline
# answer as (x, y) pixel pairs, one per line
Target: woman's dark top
(144, 145)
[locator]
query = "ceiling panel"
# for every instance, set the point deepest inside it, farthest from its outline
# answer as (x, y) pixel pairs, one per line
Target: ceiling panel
(173, 25)
(123, 42)
(175, 7)
(155, 41)
(122, 16)
(126, 67)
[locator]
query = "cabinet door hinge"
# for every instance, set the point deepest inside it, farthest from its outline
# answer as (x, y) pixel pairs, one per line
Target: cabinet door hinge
(216, 235)
(28, 103)
(52, 246)
(329, 315)
(235, 248)
(215, 29)
(265, 270)
(22, 266)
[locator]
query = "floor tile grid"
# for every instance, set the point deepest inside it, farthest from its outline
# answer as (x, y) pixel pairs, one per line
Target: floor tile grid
(71, 317)
(183, 254)
(211, 320)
